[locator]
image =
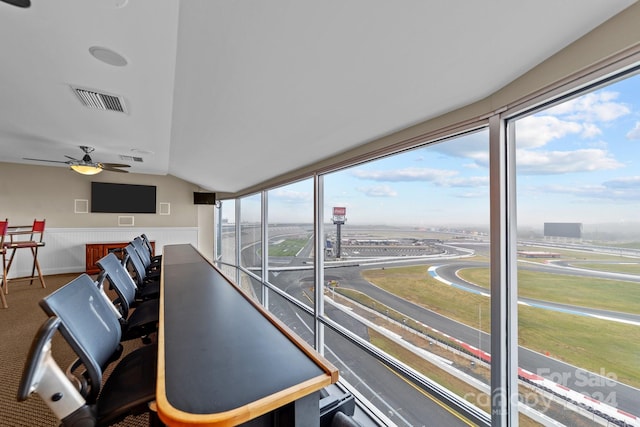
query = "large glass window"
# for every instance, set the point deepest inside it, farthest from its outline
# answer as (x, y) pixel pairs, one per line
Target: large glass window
(407, 268)
(291, 251)
(578, 200)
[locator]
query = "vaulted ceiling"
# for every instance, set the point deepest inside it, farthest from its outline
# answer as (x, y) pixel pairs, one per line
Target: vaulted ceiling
(227, 94)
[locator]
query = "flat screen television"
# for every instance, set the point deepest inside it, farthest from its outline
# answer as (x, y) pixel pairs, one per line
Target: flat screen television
(123, 198)
(201, 198)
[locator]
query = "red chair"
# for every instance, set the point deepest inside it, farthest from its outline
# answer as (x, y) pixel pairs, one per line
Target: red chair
(4, 226)
(34, 242)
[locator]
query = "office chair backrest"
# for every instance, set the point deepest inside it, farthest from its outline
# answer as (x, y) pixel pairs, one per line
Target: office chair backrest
(120, 279)
(147, 243)
(134, 259)
(37, 352)
(116, 306)
(88, 325)
(142, 251)
(42, 375)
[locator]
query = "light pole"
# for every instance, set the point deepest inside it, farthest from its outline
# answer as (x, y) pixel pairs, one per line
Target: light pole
(479, 329)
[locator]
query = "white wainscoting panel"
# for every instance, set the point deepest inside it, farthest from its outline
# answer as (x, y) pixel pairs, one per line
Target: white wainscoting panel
(64, 250)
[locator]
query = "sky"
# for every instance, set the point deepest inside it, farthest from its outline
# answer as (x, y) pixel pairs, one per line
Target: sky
(576, 162)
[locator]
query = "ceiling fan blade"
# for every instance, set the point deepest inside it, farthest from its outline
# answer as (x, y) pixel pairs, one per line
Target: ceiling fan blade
(112, 169)
(116, 165)
(44, 160)
(18, 3)
(72, 158)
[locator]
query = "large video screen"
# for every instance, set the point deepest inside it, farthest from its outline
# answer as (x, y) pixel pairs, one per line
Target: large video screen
(122, 198)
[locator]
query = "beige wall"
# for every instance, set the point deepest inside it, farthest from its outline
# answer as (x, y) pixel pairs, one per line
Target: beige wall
(28, 192)
(206, 229)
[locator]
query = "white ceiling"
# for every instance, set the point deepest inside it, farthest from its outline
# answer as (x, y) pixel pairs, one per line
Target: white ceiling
(226, 94)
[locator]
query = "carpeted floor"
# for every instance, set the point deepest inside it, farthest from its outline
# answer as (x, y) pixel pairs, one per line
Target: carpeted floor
(18, 325)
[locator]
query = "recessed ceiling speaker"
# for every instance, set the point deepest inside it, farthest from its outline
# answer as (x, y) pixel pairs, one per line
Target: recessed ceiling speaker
(108, 56)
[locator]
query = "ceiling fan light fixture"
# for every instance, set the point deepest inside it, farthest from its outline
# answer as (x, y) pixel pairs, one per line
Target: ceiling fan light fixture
(86, 169)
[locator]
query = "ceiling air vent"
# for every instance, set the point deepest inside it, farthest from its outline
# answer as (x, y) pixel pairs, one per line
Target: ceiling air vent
(100, 101)
(131, 158)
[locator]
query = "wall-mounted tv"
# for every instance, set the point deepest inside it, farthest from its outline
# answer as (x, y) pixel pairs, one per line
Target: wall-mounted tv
(202, 198)
(122, 198)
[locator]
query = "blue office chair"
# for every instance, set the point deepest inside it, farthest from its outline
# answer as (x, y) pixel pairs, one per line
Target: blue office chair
(79, 398)
(138, 319)
(145, 256)
(147, 243)
(148, 285)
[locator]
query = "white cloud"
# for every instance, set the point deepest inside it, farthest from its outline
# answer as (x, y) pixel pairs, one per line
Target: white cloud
(635, 132)
(474, 146)
(378, 191)
(289, 196)
(473, 165)
(589, 130)
(442, 178)
(592, 107)
(557, 162)
(404, 175)
(579, 116)
(474, 182)
(599, 144)
(620, 190)
(538, 131)
(632, 182)
(473, 195)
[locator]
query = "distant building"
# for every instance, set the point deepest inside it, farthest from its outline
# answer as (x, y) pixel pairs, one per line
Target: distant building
(571, 230)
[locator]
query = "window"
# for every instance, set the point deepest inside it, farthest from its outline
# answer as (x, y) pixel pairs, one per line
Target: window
(578, 198)
(406, 270)
(291, 251)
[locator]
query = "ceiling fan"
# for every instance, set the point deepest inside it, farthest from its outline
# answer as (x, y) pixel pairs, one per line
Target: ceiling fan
(18, 3)
(86, 165)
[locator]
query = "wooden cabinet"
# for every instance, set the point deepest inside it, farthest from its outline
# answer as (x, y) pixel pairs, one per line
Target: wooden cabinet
(95, 251)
